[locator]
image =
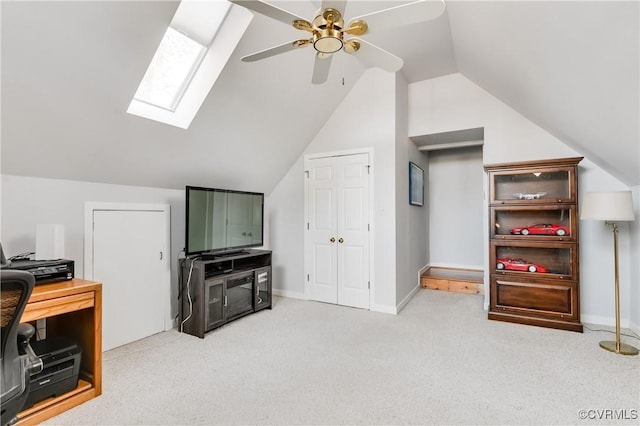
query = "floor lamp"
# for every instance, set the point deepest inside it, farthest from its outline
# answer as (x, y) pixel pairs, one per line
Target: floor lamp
(612, 207)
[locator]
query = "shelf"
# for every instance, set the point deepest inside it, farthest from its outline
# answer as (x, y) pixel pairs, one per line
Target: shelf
(526, 223)
(72, 308)
(82, 387)
(534, 258)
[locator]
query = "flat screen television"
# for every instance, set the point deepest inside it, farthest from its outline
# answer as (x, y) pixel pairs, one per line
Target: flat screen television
(222, 221)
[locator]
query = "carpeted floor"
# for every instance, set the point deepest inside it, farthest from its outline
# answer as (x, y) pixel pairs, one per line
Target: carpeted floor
(440, 361)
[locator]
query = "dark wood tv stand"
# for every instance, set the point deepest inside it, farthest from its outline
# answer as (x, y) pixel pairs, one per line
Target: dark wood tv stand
(216, 289)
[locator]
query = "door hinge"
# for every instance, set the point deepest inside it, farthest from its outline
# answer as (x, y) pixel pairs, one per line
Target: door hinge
(307, 225)
(307, 277)
(160, 255)
(368, 227)
(306, 172)
(368, 169)
(369, 285)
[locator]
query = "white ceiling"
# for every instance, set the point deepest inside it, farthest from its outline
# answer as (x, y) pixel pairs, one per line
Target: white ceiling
(69, 71)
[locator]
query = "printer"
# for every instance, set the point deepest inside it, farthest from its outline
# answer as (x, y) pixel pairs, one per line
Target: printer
(45, 271)
(61, 359)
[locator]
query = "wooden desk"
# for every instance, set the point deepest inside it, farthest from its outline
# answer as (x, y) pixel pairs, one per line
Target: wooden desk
(74, 309)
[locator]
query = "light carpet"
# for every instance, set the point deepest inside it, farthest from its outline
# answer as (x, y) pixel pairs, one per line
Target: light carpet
(440, 361)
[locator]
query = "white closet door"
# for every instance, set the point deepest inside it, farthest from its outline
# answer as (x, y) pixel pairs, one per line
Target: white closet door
(128, 259)
(321, 249)
(353, 232)
(337, 250)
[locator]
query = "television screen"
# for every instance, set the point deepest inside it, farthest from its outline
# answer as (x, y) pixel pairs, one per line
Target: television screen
(221, 220)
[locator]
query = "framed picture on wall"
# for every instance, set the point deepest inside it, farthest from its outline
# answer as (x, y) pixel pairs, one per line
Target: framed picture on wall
(416, 185)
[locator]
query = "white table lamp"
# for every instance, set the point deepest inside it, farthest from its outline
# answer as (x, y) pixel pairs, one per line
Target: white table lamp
(612, 207)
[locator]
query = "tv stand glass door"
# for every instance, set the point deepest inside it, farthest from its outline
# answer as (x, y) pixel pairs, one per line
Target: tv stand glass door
(239, 295)
(215, 298)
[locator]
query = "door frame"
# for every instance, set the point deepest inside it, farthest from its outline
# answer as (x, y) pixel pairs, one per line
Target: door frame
(90, 207)
(372, 229)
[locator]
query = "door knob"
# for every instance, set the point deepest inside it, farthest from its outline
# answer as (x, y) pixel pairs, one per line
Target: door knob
(333, 239)
(341, 240)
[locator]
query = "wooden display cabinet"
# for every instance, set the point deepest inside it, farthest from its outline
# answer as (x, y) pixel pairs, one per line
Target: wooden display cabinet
(534, 229)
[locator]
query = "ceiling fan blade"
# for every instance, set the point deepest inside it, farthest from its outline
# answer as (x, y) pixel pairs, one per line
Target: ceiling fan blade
(321, 68)
(406, 14)
(276, 50)
(339, 5)
(373, 56)
(269, 10)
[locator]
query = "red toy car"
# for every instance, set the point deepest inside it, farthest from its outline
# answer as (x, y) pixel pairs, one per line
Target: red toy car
(542, 229)
(519, 265)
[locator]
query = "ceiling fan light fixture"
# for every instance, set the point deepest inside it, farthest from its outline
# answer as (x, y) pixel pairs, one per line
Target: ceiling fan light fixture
(327, 41)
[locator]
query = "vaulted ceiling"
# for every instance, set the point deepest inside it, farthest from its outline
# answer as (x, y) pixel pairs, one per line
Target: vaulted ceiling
(70, 69)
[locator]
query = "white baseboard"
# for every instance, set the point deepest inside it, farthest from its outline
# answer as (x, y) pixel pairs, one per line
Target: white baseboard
(406, 300)
(384, 309)
(289, 294)
(170, 323)
(423, 270)
(301, 296)
(634, 327)
(457, 266)
(600, 320)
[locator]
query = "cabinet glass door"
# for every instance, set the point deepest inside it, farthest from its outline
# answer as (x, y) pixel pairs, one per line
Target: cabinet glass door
(536, 186)
(262, 297)
(540, 223)
(214, 298)
(536, 259)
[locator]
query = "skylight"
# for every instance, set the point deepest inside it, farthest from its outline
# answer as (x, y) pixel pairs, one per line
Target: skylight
(196, 46)
(170, 71)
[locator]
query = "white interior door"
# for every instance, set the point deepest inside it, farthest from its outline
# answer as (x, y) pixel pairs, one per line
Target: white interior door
(322, 248)
(337, 249)
(129, 259)
(353, 232)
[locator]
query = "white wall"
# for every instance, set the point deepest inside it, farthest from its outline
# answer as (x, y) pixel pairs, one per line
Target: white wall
(285, 216)
(596, 256)
(456, 207)
(365, 119)
(635, 263)
(28, 201)
(412, 234)
(453, 102)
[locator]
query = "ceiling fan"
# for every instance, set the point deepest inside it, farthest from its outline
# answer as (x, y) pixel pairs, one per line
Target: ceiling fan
(329, 34)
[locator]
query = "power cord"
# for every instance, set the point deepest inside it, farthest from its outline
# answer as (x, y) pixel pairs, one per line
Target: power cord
(188, 285)
(633, 336)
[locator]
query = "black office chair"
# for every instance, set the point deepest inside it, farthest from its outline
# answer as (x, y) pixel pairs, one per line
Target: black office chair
(18, 360)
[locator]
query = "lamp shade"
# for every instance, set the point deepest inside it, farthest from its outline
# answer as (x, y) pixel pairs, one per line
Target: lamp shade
(612, 206)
